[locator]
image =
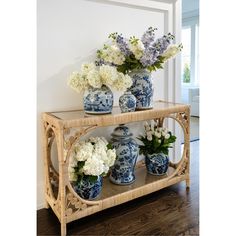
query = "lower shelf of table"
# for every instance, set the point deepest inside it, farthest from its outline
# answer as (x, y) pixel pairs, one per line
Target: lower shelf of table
(142, 178)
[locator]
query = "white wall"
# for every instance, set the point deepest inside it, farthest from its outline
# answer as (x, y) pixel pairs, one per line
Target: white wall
(69, 32)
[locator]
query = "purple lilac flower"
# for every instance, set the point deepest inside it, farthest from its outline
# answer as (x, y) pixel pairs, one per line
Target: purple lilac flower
(123, 45)
(148, 37)
(162, 43)
(150, 56)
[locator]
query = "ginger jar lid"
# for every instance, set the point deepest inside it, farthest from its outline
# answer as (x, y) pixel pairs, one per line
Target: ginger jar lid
(121, 131)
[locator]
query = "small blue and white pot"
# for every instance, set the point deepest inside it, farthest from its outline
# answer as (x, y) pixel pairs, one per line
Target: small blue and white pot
(127, 102)
(122, 172)
(157, 163)
(87, 189)
(98, 100)
(142, 89)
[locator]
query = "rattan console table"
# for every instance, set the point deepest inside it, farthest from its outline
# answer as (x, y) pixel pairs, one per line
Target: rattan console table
(66, 127)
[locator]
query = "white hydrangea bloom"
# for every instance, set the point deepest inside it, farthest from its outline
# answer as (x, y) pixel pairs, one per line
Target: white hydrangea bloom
(87, 67)
(72, 176)
(94, 166)
(111, 157)
(78, 82)
(123, 82)
(108, 74)
(84, 151)
(94, 79)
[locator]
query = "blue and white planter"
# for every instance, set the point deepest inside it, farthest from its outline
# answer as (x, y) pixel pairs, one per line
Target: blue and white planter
(127, 102)
(142, 89)
(98, 100)
(157, 163)
(122, 173)
(87, 189)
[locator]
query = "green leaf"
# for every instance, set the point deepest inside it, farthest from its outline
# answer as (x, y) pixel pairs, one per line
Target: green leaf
(109, 146)
(92, 178)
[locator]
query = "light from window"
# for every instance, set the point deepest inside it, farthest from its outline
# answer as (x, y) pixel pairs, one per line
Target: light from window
(186, 55)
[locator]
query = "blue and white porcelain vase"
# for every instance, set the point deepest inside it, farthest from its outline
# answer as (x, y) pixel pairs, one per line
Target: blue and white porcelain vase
(157, 163)
(127, 102)
(122, 172)
(142, 89)
(98, 100)
(88, 189)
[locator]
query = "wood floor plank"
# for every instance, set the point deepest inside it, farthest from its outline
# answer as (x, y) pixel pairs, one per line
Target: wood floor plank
(169, 212)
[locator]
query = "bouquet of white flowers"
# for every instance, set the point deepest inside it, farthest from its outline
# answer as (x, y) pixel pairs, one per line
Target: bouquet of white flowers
(94, 76)
(156, 139)
(91, 158)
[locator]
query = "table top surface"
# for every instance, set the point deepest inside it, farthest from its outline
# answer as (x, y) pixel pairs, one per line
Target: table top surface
(80, 118)
(78, 114)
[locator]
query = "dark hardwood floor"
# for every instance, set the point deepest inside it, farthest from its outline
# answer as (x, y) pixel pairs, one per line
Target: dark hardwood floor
(169, 212)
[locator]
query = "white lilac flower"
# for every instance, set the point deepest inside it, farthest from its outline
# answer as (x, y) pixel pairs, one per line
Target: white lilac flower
(78, 82)
(108, 74)
(137, 48)
(94, 79)
(167, 136)
(171, 51)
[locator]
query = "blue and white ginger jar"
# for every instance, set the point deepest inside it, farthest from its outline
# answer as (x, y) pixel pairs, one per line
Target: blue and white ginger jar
(127, 102)
(122, 172)
(157, 163)
(87, 189)
(98, 100)
(142, 89)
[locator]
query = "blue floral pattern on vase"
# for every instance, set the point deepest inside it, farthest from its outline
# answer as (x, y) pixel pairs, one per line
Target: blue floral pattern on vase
(142, 89)
(98, 100)
(122, 173)
(87, 189)
(127, 102)
(157, 163)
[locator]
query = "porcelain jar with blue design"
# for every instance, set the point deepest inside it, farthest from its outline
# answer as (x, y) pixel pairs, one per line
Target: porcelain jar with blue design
(157, 163)
(122, 172)
(87, 188)
(142, 88)
(127, 102)
(98, 100)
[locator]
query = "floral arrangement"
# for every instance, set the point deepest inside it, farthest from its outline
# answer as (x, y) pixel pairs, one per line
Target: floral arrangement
(92, 158)
(145, 53)
(94, 76)
(156, 139)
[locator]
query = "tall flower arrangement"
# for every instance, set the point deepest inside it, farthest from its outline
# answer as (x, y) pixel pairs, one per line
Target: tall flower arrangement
(133, 53)
(92, 158)
(94, 76)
